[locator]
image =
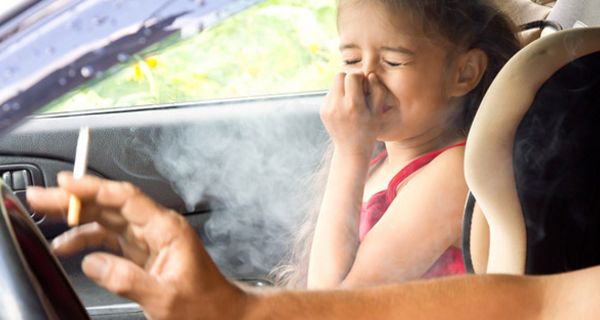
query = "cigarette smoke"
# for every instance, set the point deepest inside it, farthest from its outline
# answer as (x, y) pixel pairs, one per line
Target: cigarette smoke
(252, 168)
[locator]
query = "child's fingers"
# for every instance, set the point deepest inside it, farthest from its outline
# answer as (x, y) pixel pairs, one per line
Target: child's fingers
(355, 95)
(377, 96)
(338, 84)
(334, 95)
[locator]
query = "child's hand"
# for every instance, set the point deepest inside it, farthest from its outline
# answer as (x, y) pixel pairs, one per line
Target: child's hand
(352, 112)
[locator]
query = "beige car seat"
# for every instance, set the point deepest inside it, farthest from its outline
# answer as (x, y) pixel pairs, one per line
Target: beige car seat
(539, 221)
(525, 11)
(529, 15)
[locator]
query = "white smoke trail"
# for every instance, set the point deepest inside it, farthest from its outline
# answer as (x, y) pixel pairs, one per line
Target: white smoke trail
(252, 166)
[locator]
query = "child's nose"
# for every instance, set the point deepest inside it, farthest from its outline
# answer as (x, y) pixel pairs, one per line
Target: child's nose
(369, 67)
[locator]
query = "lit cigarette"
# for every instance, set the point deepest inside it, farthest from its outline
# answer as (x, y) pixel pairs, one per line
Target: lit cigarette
(81, 154)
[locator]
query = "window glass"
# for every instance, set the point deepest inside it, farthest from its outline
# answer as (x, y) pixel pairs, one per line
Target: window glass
(10, 6)
(277, 46)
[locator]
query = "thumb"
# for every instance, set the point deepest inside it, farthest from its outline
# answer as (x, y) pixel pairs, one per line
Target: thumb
(377, 94)
(121, 276)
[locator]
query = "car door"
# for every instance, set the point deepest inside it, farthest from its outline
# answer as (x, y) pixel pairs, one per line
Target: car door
(235, 167)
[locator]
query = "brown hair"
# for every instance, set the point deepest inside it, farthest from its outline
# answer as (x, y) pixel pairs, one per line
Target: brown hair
(467, 24)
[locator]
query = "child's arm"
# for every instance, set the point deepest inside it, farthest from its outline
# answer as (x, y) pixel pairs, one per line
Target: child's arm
(336, 235)
(353, 127)
(422, 222)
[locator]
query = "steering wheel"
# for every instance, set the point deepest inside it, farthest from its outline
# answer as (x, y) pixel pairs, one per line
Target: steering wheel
(34, 285)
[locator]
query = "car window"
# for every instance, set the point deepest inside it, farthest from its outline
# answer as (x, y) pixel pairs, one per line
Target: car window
(274, 47)
(10, 7)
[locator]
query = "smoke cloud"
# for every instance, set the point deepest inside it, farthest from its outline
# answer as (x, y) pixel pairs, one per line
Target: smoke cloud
(253, 168)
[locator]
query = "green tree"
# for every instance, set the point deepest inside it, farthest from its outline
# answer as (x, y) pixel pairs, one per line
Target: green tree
(277, 46)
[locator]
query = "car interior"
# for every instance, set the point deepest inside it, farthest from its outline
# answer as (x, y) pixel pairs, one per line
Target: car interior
(180, 155)
(35, 272)
(537, 251)
(551, 143)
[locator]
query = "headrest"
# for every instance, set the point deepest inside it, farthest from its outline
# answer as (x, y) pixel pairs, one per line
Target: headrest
(489, 168)
(556, 162)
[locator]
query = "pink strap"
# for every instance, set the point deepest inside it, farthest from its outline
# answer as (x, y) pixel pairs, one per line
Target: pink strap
(413, 166)
(378, 158)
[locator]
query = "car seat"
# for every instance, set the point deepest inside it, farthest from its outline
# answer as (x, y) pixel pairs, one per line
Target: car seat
(532, 161)
(526, 11)
(531, 17)
(536, 18)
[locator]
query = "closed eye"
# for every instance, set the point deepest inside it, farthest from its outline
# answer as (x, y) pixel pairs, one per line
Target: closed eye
(393, 64)
(351, 62)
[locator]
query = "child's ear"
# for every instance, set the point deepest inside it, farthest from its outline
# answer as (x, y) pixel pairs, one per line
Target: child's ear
(471, 66)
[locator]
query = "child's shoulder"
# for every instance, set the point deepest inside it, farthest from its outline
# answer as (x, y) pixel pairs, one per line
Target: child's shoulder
(455, 152)
(447, 164)
(452, 155)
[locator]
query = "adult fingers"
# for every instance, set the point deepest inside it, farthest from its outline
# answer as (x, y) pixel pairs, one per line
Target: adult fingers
(150, 225)
(89, 235)
(377, 94)
(122, 277)
(105, 192)
(133, 205)
(93, 235)
(53, 202)
(85, 188)
(166, 230)
(125, 200)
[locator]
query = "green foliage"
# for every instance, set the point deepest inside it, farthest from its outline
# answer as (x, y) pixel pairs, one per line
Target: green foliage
(277, 46)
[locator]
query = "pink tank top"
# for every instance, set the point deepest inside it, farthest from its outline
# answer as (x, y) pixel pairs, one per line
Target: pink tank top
(451, 261)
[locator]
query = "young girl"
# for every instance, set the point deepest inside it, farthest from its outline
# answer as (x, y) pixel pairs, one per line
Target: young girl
(414, 74)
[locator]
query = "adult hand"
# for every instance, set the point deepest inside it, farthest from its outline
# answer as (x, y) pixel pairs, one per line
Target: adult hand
(164, 266)
(352, 112)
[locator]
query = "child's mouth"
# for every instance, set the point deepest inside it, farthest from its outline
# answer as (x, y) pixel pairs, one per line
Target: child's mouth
(386, 108)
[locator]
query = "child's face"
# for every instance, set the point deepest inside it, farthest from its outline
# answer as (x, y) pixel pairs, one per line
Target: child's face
(414, 69)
